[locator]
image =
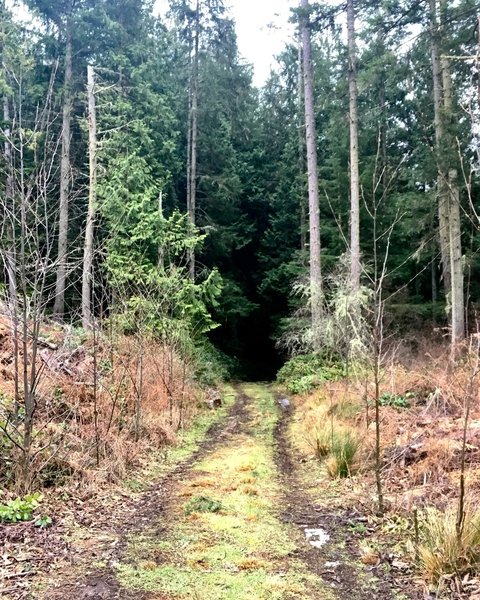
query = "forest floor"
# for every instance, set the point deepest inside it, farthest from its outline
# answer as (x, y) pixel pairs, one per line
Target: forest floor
(234, 515)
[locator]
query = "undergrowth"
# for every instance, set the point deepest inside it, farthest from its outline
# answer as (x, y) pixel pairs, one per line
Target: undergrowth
(443, 550)
(19, 509)
(105, 403)
(343, 453)
(212, 366)
(321, 427)
(304, 373)
(422, 409)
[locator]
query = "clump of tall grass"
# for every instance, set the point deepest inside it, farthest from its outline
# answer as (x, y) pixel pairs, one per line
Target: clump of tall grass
(338, 447)
(321, 427)
(344, 449)
(445, 551)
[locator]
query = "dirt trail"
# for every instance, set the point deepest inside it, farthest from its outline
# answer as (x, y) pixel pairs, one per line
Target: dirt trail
(227, 523)
(102, 584)
(338, 561)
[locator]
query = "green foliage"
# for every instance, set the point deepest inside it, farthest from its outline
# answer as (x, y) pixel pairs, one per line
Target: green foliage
(170, 306)
(212, 366)
(202, 504)
(359, 528)
(43, 522)
(157, 297)
(396, 400)
(19, 509)
(343, 450)
(304, 373)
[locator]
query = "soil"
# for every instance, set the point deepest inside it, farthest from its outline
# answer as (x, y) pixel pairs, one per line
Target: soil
(337, 563)
(102, 584)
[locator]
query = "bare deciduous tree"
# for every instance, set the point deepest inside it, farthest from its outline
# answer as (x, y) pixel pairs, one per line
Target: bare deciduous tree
(33, 147)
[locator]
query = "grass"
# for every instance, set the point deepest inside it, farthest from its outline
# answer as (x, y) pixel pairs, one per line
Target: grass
(202, 504)
(240, 551)
(441, 551)
(323, 428)
(188, 441)
(219, 585)
(343, 452)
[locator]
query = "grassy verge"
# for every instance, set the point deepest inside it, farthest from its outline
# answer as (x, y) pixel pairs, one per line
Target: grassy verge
(98, 539)
(225, 541)
(188, 441)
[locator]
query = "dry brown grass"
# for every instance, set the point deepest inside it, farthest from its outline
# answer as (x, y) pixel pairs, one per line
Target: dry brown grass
(86, 423)
(421, 445)
(443, 551)
(252, 564)
(249, 490)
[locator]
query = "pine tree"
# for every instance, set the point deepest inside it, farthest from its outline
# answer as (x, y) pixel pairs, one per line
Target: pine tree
(314, 207)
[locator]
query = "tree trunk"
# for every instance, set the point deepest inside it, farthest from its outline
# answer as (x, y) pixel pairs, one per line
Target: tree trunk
(478, 60)
(301, 149)
(161, 249)
(316, 291)
(456, 260)
(65, 170)
(447, 184)
(92, 203)
(457, 300)
(442, 191)
(355, 265)
(193, 130)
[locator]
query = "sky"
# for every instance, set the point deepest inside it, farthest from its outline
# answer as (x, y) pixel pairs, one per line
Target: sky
(262, 28)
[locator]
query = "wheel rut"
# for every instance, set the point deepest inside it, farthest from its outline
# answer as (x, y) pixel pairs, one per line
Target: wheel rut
(332, 571)
(337, 562)
(102, 584)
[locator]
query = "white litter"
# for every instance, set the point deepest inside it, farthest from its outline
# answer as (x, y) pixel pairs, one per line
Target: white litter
(317, 537)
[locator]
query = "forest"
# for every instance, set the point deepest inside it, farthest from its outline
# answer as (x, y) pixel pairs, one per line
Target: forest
(239, 330)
